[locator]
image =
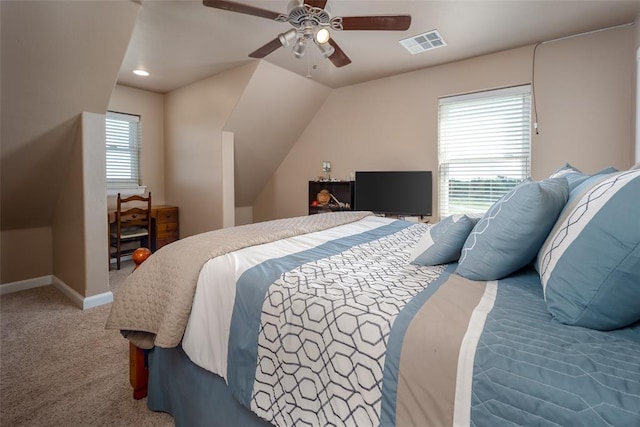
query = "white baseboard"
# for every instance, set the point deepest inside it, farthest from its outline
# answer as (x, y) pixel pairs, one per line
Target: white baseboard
(84, 303)
(97, 300)
(22, 285)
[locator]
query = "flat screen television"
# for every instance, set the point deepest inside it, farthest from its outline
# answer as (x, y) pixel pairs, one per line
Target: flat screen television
(402, 193)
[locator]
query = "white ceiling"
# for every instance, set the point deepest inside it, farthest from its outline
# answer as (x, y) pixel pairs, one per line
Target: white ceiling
(182, 41)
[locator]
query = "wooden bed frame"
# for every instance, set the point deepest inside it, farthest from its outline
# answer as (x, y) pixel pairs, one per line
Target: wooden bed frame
(138, 360)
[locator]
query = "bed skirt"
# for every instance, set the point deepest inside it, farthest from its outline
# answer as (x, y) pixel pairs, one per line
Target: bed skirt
(192, 395)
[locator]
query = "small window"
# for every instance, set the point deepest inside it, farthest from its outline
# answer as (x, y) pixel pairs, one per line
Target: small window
(484, 148)
(123, 152)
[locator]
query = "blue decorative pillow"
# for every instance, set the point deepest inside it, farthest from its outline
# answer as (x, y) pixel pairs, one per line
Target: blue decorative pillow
(510, 234)
(443, 242)
(590, 264)
(573, 175)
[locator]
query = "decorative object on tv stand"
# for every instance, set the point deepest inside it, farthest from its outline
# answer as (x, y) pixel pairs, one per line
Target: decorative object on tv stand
(339, 203)
(326, 170)
(323, 197)
(340, 195)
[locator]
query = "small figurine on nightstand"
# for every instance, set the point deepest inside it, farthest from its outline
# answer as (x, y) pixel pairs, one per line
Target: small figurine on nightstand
(326, 169)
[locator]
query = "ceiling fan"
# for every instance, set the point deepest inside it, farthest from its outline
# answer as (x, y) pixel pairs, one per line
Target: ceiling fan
(311, 23)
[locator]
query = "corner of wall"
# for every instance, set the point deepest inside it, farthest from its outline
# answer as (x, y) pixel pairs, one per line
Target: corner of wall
(80, 253)
(95, 205)
(68, 244)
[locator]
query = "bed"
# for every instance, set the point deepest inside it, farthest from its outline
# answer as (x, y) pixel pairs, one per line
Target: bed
(349, 318)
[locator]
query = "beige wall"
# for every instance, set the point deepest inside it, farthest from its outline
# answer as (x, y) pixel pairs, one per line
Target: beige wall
(584, 105)
(195, 116)
(265, 108)
(150, 107)
(59, 58)
(25, 254)
(94, 205)
(585, 98)
(69, 254)
(267, 120)
(80, 219)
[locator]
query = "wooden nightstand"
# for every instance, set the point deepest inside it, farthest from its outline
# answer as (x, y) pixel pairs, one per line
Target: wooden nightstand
(165, 226)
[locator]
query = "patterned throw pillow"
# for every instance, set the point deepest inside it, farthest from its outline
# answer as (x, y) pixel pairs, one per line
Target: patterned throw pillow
(510, 234)
(590, 263)
(443, 242)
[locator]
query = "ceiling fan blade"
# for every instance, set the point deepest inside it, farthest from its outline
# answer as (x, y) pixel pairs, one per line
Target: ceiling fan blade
(265, 50)
(338, 57)
(382, 22)
(316, 3)
(233, 6)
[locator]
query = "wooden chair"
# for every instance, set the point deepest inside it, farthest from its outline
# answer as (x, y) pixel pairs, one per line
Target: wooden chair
(133, 223)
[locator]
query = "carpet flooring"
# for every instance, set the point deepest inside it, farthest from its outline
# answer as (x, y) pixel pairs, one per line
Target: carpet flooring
(59, 366)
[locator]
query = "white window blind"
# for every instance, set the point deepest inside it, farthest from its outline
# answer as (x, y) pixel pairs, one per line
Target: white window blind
(484, 146)
(123, 150)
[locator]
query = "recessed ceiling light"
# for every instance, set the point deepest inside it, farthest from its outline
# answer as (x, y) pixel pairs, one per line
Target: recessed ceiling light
(141, 73)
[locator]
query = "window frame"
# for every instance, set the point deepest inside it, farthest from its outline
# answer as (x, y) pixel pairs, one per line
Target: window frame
(132, 185)
(506, 143)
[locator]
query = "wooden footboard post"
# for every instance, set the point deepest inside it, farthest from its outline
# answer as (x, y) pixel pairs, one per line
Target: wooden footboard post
(138, 367)
(138, 371)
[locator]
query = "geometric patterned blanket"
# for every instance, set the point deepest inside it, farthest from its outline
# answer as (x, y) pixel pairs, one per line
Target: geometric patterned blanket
(153, 305)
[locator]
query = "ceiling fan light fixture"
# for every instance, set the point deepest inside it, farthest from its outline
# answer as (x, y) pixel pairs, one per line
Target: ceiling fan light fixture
(311, 21)
(326, 49)
(288, 38)
(300, 47)
(322, 36)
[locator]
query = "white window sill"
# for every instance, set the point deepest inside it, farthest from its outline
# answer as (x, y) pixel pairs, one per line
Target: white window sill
(128, 191)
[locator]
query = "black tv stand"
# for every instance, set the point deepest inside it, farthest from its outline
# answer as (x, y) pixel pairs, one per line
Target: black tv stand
(342, 191)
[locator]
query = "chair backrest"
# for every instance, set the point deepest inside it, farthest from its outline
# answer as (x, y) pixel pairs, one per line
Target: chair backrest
(129, 215)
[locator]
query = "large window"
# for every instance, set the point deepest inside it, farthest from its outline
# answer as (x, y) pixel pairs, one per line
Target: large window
(484, 146)
(123, 151)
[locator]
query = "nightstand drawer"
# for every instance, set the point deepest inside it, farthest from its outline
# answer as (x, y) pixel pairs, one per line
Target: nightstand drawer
(167, 215)
(167, 227)
(167, 234)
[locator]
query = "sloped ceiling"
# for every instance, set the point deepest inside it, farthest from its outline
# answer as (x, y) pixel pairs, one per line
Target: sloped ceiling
(182, 41)
(58, 58)
(274, 109)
